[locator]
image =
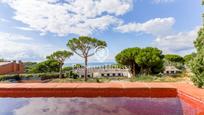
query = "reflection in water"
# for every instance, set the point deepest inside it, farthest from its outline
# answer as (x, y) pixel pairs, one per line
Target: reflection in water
(93, 106)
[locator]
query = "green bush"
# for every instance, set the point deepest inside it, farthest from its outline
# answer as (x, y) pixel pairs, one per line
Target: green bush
(26, 76)
(45, 76)
(8, 77)
(42, 76)
(71, 74)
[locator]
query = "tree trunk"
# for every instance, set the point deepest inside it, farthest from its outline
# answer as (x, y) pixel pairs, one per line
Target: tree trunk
(85, 69)
(134, 70)
(60, 71)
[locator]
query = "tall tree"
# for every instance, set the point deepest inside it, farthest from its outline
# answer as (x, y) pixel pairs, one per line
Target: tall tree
(150, 59)
(197, 68)
(127, 57)
(199, 42)
(197, 63)
(85, 46)
(60, 56)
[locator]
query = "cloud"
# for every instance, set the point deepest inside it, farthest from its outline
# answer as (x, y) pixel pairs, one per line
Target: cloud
(156, 27)
(69, 17)
(3, 20)
(166, 38)
(180, 43)
(19, 47)
(24, 28)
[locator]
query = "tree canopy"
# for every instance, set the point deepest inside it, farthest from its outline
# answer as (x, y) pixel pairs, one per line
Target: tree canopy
(199, 42)
(174, 58)
(60, 56)
(147, 60)
(78, 66)
(188, 58)
(150, 60)
(85, 46)
(28, 66)
(46, 66)
(127, 57)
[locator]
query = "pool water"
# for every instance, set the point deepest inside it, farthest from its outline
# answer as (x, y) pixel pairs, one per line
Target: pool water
(95, 106)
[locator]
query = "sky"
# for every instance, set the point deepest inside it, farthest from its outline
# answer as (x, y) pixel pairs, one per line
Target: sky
(32, 29)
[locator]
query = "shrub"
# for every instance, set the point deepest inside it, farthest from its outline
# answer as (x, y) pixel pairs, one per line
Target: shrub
(71, 74)
(8, 77)
(26, 76)
(45, 76)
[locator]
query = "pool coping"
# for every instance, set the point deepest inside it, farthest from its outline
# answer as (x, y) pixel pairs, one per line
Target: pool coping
(137, 89)
(185, 91)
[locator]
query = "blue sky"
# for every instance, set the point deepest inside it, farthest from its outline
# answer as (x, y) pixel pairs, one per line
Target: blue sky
(32, 29)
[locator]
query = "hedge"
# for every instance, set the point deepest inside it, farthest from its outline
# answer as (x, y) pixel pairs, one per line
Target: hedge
(9, 77)
(42, 76)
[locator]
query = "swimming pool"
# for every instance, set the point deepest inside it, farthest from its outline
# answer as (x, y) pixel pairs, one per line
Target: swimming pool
(100, 99)
(95, 106)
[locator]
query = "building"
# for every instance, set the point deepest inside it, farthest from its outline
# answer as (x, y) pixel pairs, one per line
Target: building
(171, 70)
(107, 72)
(11, 67)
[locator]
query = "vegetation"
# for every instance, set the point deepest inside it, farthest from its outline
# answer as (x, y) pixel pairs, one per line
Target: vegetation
(197, 64)
(81, 80)
(150, 60)
(127, 57)
(28, 66)
(188, 58)
(174, 60)
(71, 77)
(145, 61)
(60, 57)
(156, 78)
(84, 46)
(67, 69)
(8, 77)
(46, 66)
(78, 66)
(2, 60)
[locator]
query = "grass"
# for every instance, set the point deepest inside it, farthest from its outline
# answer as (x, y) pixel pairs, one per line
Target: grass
(139, 78)
(154, 78)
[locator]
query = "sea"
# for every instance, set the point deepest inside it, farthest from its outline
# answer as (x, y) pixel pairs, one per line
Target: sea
(91, 64)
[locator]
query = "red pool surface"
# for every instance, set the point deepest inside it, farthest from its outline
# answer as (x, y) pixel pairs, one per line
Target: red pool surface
(101, 99)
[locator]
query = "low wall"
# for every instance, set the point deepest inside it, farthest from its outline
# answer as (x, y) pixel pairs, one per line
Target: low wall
(11, 68)
(186, 92)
